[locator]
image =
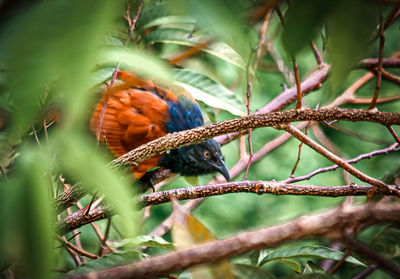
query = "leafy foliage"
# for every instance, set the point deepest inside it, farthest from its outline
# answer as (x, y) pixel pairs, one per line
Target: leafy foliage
(308, 252)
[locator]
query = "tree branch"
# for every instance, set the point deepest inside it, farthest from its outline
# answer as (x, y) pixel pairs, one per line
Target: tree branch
(68, 197)
(80, 218)
(76, 249)
(373, 63)
(259, 188)
(374, 256)
(334, 158)
(200, 134)
(330, 224)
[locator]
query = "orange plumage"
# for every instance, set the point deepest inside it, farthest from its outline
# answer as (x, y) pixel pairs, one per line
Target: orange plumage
(136, 111)
(132, 117)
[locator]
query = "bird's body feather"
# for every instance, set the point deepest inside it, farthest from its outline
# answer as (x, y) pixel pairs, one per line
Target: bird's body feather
(136, 112)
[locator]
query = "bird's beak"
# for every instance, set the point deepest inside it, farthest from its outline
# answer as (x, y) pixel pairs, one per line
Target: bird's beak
(221, 168)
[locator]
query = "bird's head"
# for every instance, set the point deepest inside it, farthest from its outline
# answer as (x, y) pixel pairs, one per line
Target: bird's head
(197, 159)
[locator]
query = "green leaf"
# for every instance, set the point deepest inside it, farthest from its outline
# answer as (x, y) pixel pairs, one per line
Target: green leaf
(66, 57)
(292, 264)
(8, 153)
(180, 37)
(194, 232)
(172, 21)
(221, 20)
(319, 252)
(244, 271)
(26, 215)
(303, 20)
(192, 180)
(79, 160)
(185, 275)
(109, 261)
(312, 268)
(138, 61)
(145, 240)
(350, 27)
(209, 91)
(101, 75)
(387, 241)
(208, 110)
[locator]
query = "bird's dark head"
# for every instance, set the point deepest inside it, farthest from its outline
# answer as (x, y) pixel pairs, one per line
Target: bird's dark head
(197, 159)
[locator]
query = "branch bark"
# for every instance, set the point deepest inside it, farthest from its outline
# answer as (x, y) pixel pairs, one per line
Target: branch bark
(259, 188)
(200, 134)
(330, 224)
(81, 218)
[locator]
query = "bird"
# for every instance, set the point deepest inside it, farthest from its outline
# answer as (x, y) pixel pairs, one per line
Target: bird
(137, 111)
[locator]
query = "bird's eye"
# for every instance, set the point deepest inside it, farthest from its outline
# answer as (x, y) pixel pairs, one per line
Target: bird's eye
(206, 154)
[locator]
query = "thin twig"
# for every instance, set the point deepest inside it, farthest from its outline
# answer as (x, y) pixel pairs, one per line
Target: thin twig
(392, 148)
(280, 15)
(329, 155)
(76, 236)
(393, 15)
(97, 230)
(36, 136)
(74, 256)
(391, 77)
(372, 63)
(340, 262)
(344, 257)
(76, 249)
(259, 188)
(379, 68)
(365, 101)
(45, 130)
(313, 82)
(299, 154)
(188, 53)
(261, 50)
(298, 86)
(104, 240)
(372, 255)
(132, 25)
(317, 55)
(366, 271)
(393, 133)
(249, 89)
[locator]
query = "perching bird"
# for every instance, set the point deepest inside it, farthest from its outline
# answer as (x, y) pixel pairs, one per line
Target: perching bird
(137, 111)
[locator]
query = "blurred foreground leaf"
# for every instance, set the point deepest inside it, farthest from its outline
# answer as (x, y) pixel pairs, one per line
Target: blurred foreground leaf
(319, 252)
(350, 29)
(222, 19)
(109, 261)
(80, 162)
(181, 37)
(26, 216)
(302, 22)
